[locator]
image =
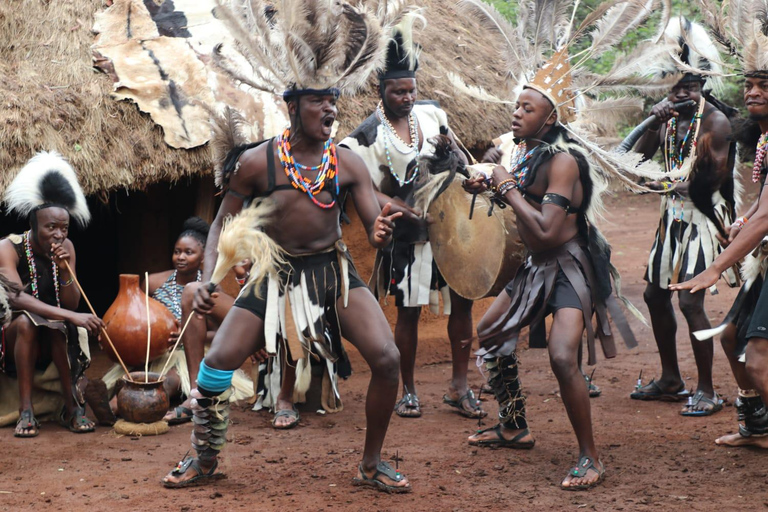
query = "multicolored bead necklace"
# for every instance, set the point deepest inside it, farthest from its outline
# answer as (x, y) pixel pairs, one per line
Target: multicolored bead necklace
(520, 157)
(392, 138)
(674, 155)
(33, 271)
(762, 144)
(327, 169)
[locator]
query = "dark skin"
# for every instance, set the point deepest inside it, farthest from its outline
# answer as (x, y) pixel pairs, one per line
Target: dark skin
(717, 128)
(302, 228)
(27, 343)
(398, 98)
(542, 228)
(742, 243)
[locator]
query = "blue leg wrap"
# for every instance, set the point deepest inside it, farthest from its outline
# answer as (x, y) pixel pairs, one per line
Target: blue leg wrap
(212, 380)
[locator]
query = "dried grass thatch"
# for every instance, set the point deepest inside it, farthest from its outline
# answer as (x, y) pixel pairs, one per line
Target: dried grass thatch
(451, 43)
(51, 98)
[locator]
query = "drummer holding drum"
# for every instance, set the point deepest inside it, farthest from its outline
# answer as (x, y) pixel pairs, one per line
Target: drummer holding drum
(390, 141)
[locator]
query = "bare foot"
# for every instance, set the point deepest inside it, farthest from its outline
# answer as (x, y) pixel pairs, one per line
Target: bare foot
(585, 475)
(739, 440)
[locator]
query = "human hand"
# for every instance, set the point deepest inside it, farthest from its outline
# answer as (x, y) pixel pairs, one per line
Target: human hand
(260, 356)
(385, 224)
(664, 111)
(701, 282)
(475, 185)
(59, 254)
(499, 174)
(203, 301)
(89, 322)
(492, 156)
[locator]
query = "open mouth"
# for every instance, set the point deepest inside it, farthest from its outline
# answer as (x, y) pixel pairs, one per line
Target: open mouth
(328, 121)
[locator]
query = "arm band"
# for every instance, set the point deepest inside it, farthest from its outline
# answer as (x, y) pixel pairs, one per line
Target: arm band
(557, 200)
(236, 194)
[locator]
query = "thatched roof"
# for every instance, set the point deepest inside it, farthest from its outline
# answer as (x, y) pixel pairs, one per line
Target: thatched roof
(450, 43)
(51, 98)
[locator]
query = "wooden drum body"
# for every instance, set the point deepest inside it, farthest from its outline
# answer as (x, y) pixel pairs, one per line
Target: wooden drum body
(126, 321)
(477, 257)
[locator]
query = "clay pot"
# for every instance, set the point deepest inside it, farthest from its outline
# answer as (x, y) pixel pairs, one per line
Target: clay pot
(126, 321)
(140, 402)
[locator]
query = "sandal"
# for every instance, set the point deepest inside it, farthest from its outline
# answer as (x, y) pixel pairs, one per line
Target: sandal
(382, 468)
(410, 402)
(580, 471)
(97, 397)
(652, 391)
(27, 422)
(179, 415)
(714, 404)
(286, 413)
(501, 441)
(594, 391)
(77, 422)
(474, 409)
(199, 479)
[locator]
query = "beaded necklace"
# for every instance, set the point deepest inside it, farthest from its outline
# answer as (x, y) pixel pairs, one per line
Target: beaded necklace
(520, 157)
(674, 155)
(33, 271)
(762, 142)
(392, 138)
(327, 169)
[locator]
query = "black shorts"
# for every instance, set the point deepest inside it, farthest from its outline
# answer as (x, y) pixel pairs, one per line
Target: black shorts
(324, 264)
(758, 324)
(563, 294)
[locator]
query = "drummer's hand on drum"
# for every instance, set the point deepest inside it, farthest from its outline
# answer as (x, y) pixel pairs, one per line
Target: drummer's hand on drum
(410, 214)
(492, 156)
(385, 223)
(203, 301)
(89, 322)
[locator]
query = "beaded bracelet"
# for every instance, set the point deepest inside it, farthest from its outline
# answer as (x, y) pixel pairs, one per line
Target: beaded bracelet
(740, 222)
(68, 282)
(506, 186)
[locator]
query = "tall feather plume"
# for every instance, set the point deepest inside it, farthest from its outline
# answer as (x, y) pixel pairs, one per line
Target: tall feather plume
(515, 52)
(551, 19)
(243, 237)
(603, 116)
(228, 133)
(317, 44)
(666, 14)
(475, 91)
(618, 20)
(714, 20)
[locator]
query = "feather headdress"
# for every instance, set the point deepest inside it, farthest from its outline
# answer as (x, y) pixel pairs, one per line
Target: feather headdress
(294, 47)
(402, 51)
(47, 180)
(693, 55)
(548, 49)
(741, 27)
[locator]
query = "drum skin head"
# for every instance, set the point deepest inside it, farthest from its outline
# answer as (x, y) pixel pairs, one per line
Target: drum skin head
(477, 257)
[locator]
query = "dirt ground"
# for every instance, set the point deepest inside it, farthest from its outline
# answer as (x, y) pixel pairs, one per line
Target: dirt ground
(655, 459)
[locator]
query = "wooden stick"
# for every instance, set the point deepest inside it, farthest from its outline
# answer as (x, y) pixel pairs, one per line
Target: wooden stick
(149, 330)
(162, 373)
(211, 289)
(93, 311)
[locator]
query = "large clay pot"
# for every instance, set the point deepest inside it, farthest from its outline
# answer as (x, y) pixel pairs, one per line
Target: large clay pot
(142, 402)
(126, 321)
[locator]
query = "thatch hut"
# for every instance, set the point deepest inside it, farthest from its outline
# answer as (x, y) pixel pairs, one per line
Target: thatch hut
(140, 189)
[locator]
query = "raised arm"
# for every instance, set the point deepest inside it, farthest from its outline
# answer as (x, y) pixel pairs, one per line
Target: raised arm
(378, 222)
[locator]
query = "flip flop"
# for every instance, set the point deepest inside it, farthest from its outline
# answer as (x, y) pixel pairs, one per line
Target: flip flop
(80, 420)
(715, 403)
(382, 468)
(580, 470)
(201, 477)
(652, 391)
(411, 403)
(476, 411)
(501, 442)
(181, 415)
(289, 413)
(27, 421)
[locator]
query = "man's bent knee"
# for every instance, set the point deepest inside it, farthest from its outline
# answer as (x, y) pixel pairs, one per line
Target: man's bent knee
(562, 363)
(387, 365)
(690, 306)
